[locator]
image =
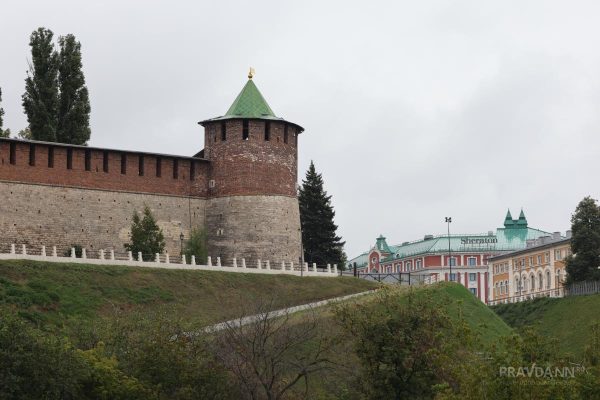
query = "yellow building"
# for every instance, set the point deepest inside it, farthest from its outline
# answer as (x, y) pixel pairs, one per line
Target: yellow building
(536, 271)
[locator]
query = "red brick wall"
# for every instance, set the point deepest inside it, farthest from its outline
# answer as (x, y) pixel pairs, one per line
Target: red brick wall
(96, 178)
(254, 166)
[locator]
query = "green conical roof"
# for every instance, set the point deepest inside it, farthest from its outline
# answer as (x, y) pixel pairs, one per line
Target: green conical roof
(522, 220)
(250, 103)
(508, 221)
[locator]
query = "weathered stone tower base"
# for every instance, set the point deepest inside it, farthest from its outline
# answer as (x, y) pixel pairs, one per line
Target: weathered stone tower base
(254, 227)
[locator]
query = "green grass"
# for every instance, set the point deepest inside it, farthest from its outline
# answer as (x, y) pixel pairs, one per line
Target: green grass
(481, 319)
(52, 293)
(567, 319)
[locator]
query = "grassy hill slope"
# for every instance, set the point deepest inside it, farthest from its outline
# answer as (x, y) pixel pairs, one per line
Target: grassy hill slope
(567, 319)
(482, 320)
(52, 293)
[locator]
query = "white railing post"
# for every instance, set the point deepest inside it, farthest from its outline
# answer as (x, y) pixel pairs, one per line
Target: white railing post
(209, 262)
(234, 263)
(218, 261)
(130, 256)
(259, 264)
(314, 267)
(193, 260)
(328, 268)
(73, 255)
(304, 267)
(54, 252)
(102, 254)
(268, 264)
(291, 265)
(183, 260)
(157, 258)
(43, 251)
(12, 249)
(243, 262)
(167, 258)
(335, 271)
(112, 255)
(83, 254)
(283, 265)
(140, 258)
(24, 250)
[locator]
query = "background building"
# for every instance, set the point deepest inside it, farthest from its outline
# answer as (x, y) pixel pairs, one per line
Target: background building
(241, 188)
(431, 258)
(538, 270)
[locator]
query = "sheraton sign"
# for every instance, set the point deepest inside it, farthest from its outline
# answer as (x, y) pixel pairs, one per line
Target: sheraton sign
(488, 240)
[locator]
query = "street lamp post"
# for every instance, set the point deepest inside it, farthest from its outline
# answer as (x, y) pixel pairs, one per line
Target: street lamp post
(181, 237)
(448, 221)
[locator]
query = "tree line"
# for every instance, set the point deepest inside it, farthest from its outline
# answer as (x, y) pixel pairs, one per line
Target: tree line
(56, 99)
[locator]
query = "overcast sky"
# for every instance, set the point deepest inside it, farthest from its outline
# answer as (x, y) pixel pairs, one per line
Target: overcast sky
(413, 110)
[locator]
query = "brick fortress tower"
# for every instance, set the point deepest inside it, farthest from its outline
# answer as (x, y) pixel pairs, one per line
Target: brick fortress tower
(252, 209)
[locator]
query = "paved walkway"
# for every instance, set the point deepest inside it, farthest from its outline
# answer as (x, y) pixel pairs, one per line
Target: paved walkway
(278, 313)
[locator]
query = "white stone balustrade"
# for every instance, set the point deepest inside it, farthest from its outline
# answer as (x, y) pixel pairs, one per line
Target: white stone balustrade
(101, 258)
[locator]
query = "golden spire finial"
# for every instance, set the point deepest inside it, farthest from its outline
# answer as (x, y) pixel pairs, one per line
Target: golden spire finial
(251, 73)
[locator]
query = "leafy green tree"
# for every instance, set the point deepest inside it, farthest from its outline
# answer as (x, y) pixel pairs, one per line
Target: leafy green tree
(196, 246)
(1, 115)
(145, 236)
(41, 97)
(74, 105)
(25, 134)
(405, 343)
(320, 242)
(37, 366)
(585, 242)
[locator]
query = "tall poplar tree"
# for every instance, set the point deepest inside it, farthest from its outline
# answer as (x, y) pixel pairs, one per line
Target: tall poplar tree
(2, 134)
(74, 106)
(41, 99)
(585, 242)
(319, 239)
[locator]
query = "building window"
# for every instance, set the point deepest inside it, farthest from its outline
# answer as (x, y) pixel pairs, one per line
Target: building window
(409, 265)
(530, 261)
(50, 157)
(452, 277)
(453, 261)
(141, 165)
(175, 168)
(558, 254)
(267, 131)
(13, 153)
(123, 163)
(105, 161)
(285, 134)
(547, 257)
(474, 291)
(69, 158)
(32, 155)
(539, 259)
(245, 130)
(88, 160)
(419, 264)
(472, 277)
(548, 280)
(472, 261)
(158, 167)
(223, 132)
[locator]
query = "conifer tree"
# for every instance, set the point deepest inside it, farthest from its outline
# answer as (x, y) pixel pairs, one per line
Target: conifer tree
(74, 105)
(40, 100)
(320, 242)
(145, 236)
(585, 242)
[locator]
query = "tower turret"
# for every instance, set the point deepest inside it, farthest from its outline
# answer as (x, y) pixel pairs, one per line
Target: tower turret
(252, 210)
